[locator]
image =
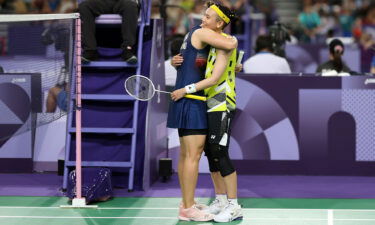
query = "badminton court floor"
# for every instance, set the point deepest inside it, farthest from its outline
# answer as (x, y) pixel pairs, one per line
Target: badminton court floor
(163, 211)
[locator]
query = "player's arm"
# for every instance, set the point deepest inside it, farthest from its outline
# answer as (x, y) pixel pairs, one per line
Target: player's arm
(222, 59)
(209, 37)
(220, 66)
(177, 60)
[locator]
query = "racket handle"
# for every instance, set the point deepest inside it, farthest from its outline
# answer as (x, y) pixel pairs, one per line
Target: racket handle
(240, 55)
(197, 97)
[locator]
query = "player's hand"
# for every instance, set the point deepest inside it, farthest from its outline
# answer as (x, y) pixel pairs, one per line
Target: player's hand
(238, 68)
(177, 60)
(178, 94)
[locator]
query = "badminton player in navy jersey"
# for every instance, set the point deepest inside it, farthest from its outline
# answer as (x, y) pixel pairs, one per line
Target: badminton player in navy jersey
(190, 115)
(219, 86)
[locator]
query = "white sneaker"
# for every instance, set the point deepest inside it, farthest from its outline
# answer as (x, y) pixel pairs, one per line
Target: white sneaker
(229, 213)
(216, 206)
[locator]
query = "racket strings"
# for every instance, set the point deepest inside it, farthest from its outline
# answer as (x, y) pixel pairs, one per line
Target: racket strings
(140, 88)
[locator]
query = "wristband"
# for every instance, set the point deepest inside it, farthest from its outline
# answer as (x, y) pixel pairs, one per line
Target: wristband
(190, 88)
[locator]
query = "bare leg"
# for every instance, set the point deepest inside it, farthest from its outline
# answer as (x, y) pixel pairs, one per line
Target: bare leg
(219, 184)
(225, 185)
(231, 185)
(52, 99)
(181, 163)
(194, 148)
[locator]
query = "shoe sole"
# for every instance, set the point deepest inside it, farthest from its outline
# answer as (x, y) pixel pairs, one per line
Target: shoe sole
(189, 219)
(236, 219)
(132, 60)
(85, 61)
(183, 218)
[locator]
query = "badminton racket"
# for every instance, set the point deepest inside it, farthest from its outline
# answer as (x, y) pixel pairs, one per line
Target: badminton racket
(240, 56)
(142, 88)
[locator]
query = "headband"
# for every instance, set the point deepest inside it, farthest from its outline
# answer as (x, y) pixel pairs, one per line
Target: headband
(220, 13)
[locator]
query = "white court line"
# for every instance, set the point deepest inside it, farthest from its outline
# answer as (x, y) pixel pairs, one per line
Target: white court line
(330, 217)
(172, 218)
(148, 217)
(175, 208)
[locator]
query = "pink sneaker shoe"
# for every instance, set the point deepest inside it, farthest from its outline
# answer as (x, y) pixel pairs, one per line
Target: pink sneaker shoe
(200, 206)
(194, 214)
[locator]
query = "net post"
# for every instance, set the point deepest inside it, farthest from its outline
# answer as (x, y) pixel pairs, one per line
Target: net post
(78, 201)
(78, 112)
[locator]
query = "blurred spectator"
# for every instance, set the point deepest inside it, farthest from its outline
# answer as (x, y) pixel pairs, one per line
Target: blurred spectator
(310, 21)
(264, 61)
(364, 22)
(368, 26)
(67, 6)
(239, 6)
(155, 9)
(187, 4)
(196, 15)
(1, 70)
(57, 96)
(364, 31)
(329, 18)
(267, 8)
(6, 6)
(346, 18)
(176, 22)
(170, 71)
(335, 65)
(373, 65)
(45, 6)
(20, 7)
(90, 9)
(37, 6)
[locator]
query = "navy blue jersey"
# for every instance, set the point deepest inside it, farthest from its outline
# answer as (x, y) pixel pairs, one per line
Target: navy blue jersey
(189, 113)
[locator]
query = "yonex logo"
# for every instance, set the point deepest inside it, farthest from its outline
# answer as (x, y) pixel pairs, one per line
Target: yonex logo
(18, 80)
(370, 81)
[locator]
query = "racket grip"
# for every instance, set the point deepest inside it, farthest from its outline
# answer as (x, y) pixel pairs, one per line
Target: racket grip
(240, 55)
(197, 97)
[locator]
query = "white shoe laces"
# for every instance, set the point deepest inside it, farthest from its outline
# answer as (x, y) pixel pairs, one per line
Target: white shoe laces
(215, 202)
(230, 204)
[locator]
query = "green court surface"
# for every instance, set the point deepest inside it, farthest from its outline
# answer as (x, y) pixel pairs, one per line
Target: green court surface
(163, 211)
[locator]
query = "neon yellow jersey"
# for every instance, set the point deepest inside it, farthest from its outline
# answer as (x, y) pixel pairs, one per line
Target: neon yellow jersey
(222, 96)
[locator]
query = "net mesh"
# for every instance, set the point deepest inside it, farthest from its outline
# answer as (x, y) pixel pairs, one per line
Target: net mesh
(140, 87)
(36, 62)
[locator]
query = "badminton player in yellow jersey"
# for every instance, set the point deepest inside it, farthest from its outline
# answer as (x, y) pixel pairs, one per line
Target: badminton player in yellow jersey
(219, 88)
(190, 116)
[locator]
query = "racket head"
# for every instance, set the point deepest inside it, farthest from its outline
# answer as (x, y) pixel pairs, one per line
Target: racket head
(139, 87)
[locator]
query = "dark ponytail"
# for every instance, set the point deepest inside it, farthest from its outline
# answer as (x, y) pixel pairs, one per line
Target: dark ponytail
(336, 48)
(337, 62)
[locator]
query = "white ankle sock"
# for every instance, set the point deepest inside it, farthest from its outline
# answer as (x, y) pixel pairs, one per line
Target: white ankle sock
(233, 201)
(222, 198)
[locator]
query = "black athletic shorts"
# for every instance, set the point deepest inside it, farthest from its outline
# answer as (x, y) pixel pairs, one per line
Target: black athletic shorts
(219, 127)
(186, 132)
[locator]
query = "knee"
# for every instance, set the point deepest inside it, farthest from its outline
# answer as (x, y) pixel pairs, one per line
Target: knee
(226, 168)
(182, 154)
(52, 92)
(194, 157)
(219, 161)
(127, 6)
